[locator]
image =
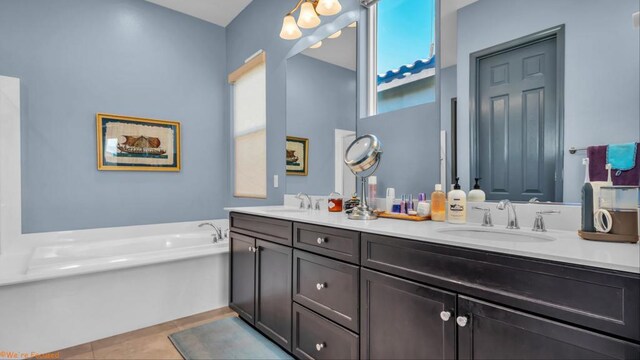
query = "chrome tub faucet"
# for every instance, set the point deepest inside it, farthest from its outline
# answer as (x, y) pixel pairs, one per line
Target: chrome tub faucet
(217, 235)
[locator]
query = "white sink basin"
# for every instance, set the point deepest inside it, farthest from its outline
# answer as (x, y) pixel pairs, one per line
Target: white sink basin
(480, 233)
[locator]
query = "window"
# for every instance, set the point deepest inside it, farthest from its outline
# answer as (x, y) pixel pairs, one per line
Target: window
(249, 113)
(402, 34)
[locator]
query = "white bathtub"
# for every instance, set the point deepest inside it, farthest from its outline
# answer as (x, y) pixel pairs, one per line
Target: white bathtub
(68, 288)
(101, 255)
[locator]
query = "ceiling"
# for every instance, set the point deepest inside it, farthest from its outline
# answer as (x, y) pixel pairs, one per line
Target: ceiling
(340, 51)
(219, 12)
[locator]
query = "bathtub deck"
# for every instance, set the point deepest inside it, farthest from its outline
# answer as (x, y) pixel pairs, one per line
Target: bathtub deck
(148, 343)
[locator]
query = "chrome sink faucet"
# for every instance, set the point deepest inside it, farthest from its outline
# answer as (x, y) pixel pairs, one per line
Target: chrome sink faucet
(512, 218)
(217, 235)
(300, 197)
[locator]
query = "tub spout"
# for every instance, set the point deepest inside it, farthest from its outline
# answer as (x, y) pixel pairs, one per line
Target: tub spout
(217, 235)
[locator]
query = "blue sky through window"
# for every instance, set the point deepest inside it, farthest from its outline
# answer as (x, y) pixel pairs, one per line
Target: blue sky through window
(405, 32)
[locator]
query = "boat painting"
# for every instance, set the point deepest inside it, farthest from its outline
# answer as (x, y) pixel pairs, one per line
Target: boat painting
(128, 143)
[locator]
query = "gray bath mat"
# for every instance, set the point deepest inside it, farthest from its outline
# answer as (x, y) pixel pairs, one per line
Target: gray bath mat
(229, 338)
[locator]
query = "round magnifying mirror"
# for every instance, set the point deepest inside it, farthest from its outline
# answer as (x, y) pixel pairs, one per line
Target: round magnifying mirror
(362, 158)
(363, 153)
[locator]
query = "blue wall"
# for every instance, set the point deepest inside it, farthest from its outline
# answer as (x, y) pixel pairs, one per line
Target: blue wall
(258, 27)
(79, 57)
(321, 97)
(411, 143)
(602, 78)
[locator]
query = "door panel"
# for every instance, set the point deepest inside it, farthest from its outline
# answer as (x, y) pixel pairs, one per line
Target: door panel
(242, 295)
(517, 122)
(495, 332)
(401, 319)
(273, 291)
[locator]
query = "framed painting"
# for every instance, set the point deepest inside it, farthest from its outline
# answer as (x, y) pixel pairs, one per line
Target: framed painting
(297, 156)
(128, 143)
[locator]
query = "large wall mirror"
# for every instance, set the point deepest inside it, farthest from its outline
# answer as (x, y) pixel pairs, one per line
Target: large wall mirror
(531, 79)
(321, 115)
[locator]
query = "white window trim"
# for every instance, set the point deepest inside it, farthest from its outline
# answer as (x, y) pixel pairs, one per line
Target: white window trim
(372, 60)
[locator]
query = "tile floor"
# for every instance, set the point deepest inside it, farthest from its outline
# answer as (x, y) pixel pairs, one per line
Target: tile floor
(148, 343)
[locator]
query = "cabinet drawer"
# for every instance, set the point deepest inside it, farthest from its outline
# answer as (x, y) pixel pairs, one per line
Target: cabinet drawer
(317, 338)
(328, 287)
(278, 231)
(336, 243)
(594, 298)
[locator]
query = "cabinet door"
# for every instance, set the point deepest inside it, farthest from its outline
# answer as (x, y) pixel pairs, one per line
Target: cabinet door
(273, 292)
(495, 332)
(402, 319)
(242, 268)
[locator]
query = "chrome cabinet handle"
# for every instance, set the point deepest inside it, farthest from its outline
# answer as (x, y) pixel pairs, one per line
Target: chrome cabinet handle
(321, 240)
(445, 315)
(319, 346)
(320, 286)
(462, 321)
(253, 249)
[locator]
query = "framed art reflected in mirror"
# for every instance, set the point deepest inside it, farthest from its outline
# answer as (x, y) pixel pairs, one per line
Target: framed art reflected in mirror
(297, 156)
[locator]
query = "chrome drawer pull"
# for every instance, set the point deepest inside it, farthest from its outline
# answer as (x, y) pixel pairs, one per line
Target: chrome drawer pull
(445, 315)
(320, 286)
(319, 346)
(462, 321)
(321, 240)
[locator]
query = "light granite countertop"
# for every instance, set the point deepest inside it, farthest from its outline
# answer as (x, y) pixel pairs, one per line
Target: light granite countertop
(562, 246)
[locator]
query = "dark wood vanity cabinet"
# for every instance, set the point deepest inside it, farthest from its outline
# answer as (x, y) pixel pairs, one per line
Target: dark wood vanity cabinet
(260, 272)
(403, 319)
(243, 273)
(314, 292)
(495, 332)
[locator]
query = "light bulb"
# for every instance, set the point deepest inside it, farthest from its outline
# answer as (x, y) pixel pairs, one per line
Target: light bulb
(290, 30)
(335, 34)
(353, 24)
(328, 7)
(308, 18)
(316, 45)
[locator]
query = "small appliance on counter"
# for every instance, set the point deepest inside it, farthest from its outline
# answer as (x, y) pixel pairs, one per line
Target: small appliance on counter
(616, 216)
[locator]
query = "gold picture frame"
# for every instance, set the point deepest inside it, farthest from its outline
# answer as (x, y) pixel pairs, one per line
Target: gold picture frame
(297, 156)
(127, 143)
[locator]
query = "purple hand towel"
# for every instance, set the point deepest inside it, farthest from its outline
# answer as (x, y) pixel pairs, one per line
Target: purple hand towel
(597, 171)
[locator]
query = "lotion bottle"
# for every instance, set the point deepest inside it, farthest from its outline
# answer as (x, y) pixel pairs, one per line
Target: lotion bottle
(457, 205)
(438, 200)
(477, 195)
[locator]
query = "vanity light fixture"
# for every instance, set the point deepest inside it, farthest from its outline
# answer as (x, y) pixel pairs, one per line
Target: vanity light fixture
(353, 24)
(316, 45)
(335, 34)
(308, 17)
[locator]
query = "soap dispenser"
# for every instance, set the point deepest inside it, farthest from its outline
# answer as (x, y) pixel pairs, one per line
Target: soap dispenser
(457, 205)
(477, 195)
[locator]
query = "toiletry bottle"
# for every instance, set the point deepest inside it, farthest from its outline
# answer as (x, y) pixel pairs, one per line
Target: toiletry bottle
(477, 195)
(438, 199)
(423, 206)
(410, 206)
(457, 205)
(335, 202)
(403, 205)
(587, 201)
(373, 193)
(391, 197)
